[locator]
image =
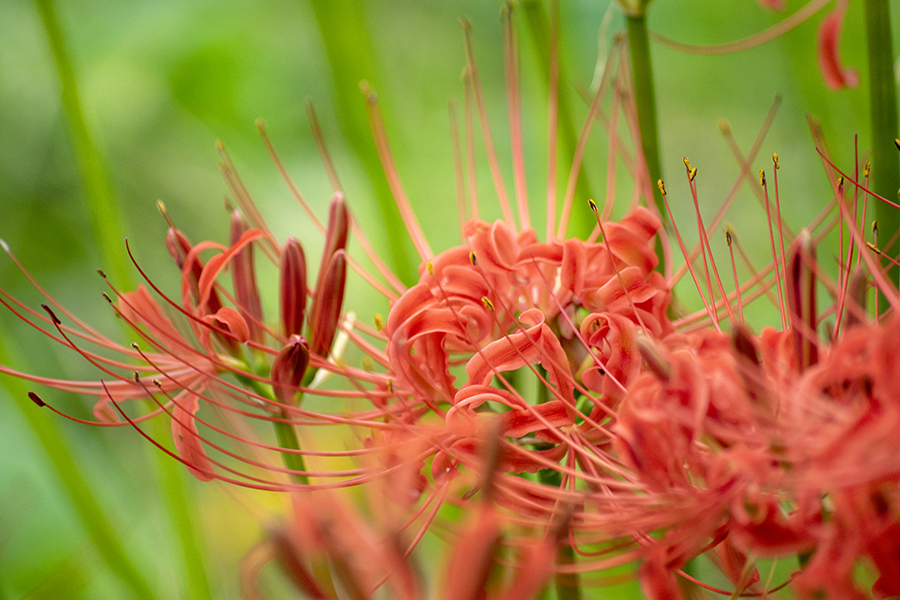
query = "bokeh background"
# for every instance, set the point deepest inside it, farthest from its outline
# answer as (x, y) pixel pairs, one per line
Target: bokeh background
(161, 81)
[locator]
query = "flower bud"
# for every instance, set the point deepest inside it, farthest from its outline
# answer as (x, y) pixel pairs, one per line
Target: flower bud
(244, 278)
(293, 287)
(336, 234)
(326, 310)
(289, 368)
(180, 247)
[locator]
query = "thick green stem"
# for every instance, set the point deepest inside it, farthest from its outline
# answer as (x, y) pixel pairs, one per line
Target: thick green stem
(645, 100)
(106, 216)
(883, 113)
(107, 228)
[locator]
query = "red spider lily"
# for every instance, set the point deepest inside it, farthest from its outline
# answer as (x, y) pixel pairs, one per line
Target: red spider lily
(659, 435)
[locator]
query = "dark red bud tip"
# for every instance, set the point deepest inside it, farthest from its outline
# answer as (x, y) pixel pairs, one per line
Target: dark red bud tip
(178, 246)
(243, 275)
(293, 287)
(36, 399)
(336, 234)
(326, 311)
(289, 368)
(52, 314)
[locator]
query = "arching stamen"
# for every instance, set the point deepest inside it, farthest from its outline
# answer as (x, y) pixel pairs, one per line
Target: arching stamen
(324, 154)
(240, 193)
(708, 305)
(745, 175)
(458, 172)
(486, 134)
(514, 110)
(390, 170)
(805, 12)
(552, 117)
(762, 182)
(577, 158)
(706, 249)
(471, 162)
(615, 267)
(737, 287)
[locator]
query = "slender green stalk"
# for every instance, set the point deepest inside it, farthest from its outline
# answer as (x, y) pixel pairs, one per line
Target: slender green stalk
(883, 113)
(92, 515)
(108, 230)
(287, 439)
(645, 99)
(287, 436)
(106, 216)
(345, 32)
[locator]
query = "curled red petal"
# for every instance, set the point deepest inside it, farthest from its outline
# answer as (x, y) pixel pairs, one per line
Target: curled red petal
(187, 439)
(828, 51)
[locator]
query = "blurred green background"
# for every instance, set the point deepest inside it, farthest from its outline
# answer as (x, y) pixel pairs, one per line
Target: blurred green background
(161, 81)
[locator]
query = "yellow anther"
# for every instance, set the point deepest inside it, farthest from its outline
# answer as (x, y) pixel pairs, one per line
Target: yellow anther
(593, 205)
(728, 237)
(762, 177)
(472, 259)
(866, 168)
(897, 143)
(724, 126)
(661, 186)
(840, 183)
(390, 386)
(157, 383)
(687, 163)
(775, 160)
(161, 207)
(429, 266)
(487, 303)
(379, 323)
(135, 346)
(873, 247)
(692, 174)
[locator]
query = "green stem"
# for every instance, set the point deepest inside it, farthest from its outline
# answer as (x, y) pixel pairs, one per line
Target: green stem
(106, 216)
(287, 436)
(883, 112)
(645, 100)
(107, 228)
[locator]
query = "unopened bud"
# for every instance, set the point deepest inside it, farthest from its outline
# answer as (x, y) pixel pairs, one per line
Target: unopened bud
(289, 368)
(293, 287)
(336, 234)
(243, 275)
(180, 247)
(326, 310)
